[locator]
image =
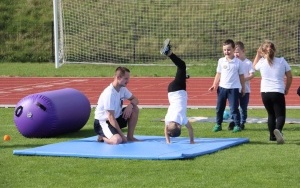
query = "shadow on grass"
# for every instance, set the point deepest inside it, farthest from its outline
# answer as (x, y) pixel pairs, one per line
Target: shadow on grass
(79, 134)
(289, 127)
(287, 142)
(21, 146)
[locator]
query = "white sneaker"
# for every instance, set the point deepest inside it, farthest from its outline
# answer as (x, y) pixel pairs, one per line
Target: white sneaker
(279, 136)
(165, 50)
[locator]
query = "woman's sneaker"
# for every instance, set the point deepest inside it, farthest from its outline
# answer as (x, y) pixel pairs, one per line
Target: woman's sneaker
(279, 136)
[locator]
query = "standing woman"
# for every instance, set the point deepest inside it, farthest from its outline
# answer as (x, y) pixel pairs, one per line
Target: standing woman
(273, 88)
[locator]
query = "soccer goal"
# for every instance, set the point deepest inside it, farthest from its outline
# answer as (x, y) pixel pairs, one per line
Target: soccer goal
(132, 31)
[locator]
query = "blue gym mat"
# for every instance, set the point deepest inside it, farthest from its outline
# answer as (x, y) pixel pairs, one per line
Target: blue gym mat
(149, 148)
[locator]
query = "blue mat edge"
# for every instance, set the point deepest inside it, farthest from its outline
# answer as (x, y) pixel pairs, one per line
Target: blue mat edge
(241, 141)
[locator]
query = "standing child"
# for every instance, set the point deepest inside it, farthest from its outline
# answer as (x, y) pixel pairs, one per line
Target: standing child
(248, 74)
(229, 82)
(177, 95)
(273, 87)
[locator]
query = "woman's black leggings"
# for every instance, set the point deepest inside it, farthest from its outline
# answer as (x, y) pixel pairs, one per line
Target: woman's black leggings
(274, 103)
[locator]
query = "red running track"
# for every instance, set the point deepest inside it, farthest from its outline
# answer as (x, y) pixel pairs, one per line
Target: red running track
(150, 91)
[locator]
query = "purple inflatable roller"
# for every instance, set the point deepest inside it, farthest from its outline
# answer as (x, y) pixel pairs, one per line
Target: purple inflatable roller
(52, 113)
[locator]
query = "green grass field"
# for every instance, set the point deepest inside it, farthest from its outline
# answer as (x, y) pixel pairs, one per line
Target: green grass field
(259, 163)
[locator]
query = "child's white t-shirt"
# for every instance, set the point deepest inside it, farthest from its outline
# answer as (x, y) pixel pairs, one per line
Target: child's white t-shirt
(177, 109)
(247, 69)
(272, 77)
(230, 73)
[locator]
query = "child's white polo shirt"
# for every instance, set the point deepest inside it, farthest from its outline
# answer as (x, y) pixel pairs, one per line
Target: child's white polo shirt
(230, 73)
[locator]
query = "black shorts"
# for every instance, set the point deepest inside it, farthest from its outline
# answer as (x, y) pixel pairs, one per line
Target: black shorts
(121, 121)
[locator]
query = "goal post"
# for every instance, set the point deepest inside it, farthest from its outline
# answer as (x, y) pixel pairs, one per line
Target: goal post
(55, 30)
(132, 31)
(58, 33)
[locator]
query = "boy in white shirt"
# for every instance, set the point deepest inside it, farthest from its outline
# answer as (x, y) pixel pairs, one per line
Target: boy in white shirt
(229, 82)
(248, 74)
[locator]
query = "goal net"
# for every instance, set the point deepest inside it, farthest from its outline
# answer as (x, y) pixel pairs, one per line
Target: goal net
(132, 31)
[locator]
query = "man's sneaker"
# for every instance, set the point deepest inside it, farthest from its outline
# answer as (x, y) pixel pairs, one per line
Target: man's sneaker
(165, 50)
(236, 129)
(230, 126)
(279, 136)
(217, 128)
(243, 126)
